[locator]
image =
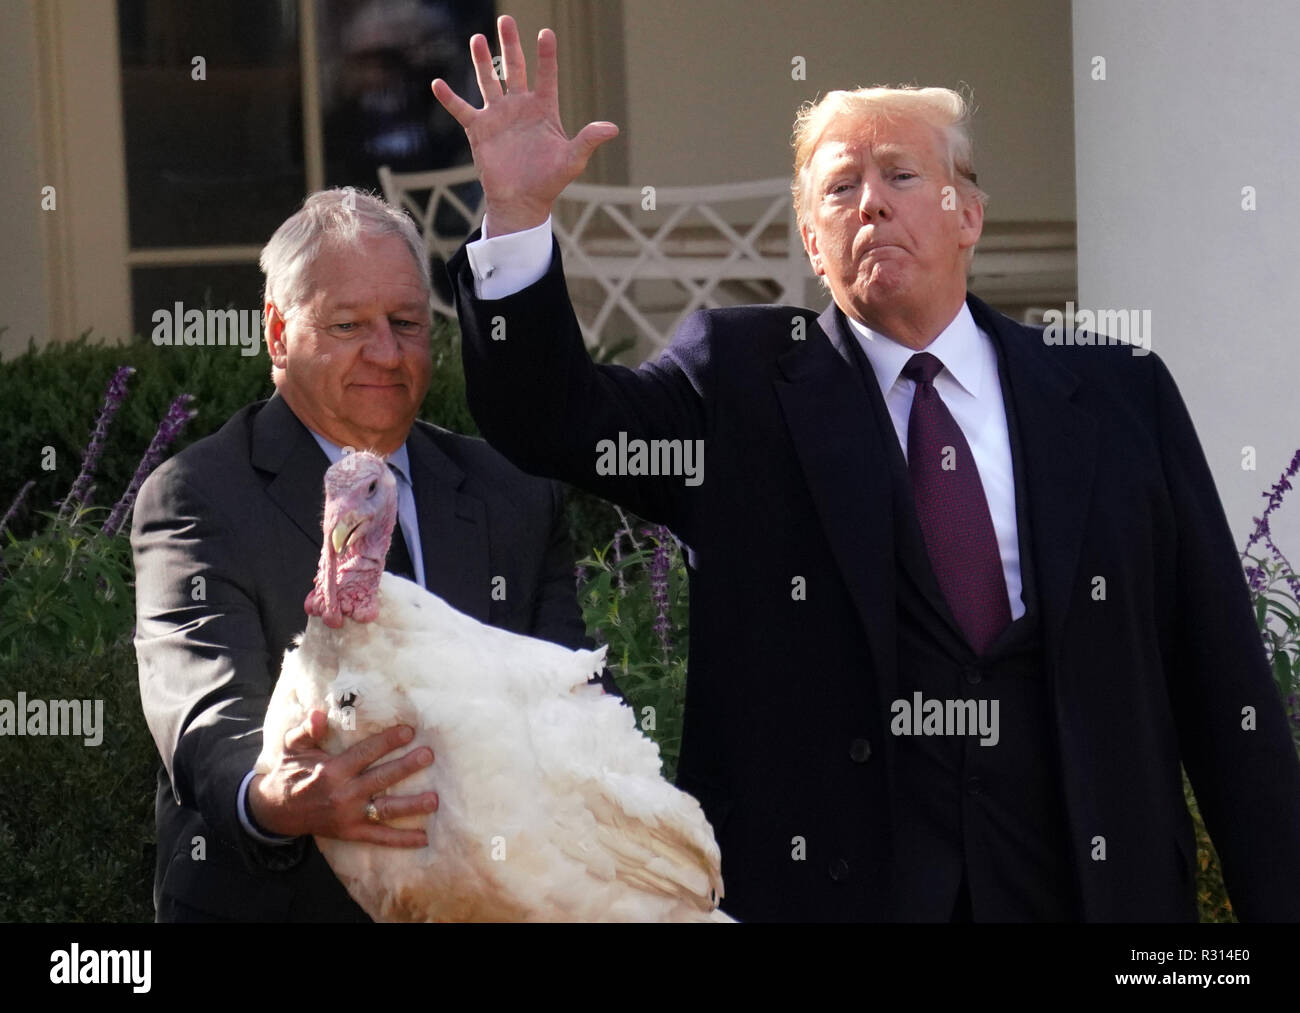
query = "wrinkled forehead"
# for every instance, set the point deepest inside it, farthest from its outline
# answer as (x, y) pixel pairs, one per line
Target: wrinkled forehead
(875, 138)
(350, 273)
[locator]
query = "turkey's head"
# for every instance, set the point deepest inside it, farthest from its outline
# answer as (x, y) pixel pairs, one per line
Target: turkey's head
(360, 511)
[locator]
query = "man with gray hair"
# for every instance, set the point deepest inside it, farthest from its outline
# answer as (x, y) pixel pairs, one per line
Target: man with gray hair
(226, 539)
(962, 601)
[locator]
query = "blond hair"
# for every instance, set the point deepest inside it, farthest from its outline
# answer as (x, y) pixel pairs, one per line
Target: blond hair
(942, 108)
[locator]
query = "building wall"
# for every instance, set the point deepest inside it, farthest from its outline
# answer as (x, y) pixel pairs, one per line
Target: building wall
(1199, 102)
(711, 100)
(62, 272)
(22, 256)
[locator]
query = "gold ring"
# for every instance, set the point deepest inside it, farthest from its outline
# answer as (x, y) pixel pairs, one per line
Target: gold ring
(372, 812)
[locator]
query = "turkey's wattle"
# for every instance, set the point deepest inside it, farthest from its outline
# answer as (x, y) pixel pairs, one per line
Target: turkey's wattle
(551, 806)
(360, 511)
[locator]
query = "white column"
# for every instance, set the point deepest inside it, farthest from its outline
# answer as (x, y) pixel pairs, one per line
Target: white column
(1198, 103)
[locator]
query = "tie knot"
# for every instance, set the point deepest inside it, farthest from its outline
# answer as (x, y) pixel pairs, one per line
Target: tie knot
(922, 367)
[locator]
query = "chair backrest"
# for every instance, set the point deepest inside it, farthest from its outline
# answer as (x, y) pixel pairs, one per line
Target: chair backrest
(690, 243)
(444, 218)
(607, 238)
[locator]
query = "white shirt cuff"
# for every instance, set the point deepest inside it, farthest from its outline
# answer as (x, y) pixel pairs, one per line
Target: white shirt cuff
(247, 820)
(504, 265)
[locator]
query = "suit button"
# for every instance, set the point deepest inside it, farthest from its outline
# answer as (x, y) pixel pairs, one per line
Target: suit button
(839, 870)
(860, 750)
(974, 786)
(973, 674)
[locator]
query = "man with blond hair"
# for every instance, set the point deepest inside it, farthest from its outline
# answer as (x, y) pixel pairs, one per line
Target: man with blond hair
(961, 601)
(227, 536)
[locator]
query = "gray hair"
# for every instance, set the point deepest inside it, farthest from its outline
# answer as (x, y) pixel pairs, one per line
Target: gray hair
(330, 218)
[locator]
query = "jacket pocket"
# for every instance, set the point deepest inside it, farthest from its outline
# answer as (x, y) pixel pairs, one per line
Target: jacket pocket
(212, 887)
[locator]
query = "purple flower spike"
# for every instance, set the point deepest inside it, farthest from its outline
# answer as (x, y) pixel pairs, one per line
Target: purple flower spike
(1275, 496)
(1256, 578)
(618, 559)
(18, 502)
(659, 566)
(173, 422)
(113, 398)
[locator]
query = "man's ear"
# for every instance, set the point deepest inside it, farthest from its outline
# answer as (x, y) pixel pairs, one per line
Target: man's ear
(809, 237)
(275, 343)
(972, 221)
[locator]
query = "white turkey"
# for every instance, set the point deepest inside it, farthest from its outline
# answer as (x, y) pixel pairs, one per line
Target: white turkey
(551, 803)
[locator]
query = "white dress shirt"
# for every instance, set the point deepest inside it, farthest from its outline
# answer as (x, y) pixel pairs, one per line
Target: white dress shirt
(972, 392)
(968, 383)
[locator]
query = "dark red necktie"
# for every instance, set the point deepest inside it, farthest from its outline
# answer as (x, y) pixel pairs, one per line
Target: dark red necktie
(953, 511)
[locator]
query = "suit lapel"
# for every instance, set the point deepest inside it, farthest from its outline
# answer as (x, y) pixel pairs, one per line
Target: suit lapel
(839, 446)
(284, 447)
(453, 528)
(1059, 445)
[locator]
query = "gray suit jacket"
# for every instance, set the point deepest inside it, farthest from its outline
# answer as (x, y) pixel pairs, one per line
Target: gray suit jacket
(226, 538)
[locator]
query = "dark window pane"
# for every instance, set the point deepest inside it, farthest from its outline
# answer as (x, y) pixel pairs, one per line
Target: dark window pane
(215, 161)
(377, 58)
(227, 286)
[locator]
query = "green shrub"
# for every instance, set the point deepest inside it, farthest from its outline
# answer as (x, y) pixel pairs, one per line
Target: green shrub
(77, 840)
(1211, 894)
(49, 396)
(65, 590)
(635, 599)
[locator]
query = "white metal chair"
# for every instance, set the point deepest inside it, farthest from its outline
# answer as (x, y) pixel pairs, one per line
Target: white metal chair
(689, 243)
(431, 197)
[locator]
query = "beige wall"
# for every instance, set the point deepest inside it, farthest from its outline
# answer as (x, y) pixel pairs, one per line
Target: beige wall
(710, 96)
(22, 276)
(62, 272)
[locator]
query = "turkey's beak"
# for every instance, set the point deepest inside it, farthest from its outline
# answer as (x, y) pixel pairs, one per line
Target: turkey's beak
(344, 530)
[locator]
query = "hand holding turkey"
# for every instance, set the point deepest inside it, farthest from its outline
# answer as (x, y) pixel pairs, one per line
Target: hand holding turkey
(308, 791)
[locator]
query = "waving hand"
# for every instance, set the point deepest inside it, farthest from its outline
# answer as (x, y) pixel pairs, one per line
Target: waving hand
(524, 157)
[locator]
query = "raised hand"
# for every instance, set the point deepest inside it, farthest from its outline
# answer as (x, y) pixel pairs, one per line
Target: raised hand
(524, 157)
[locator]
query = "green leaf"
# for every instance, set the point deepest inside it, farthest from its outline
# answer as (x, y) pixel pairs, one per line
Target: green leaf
(1282, 673)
